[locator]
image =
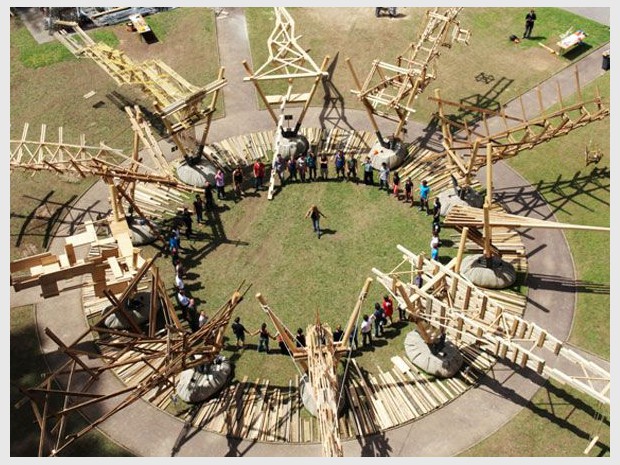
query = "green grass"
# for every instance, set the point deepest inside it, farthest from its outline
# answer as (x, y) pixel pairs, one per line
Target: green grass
(26, 370)
(557, 422)
(273, 247)
(580, 194)
(34, 55)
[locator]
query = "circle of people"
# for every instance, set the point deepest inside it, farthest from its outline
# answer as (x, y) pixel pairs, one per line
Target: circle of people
(304, 169)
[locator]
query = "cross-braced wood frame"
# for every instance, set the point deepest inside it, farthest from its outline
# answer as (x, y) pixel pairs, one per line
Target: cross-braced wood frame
(319, 359)
(470, 317)
(510, 134)
(145, 185)
(157, 360)
(288, 62)
(389, 90)
(179, 103)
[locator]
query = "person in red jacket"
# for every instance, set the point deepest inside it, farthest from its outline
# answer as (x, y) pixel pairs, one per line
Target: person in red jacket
(388, 308)
(259, 174)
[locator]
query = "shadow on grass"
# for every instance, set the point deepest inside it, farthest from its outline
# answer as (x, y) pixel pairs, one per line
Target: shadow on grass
(333, 110)
(499, 388)
(525, 200)
(122, 101)
(562, 284)
(582, 49)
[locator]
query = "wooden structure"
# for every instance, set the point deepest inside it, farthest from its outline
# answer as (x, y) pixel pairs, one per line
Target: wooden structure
(114, 255)
(509, 134)
(470, 221)
(469, 316)
(320, 360)
(389, 90)
(154, 359)
(149, 186)
(179, 103)
(287, 62)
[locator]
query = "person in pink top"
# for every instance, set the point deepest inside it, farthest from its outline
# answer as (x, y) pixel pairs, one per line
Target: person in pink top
(219, 184)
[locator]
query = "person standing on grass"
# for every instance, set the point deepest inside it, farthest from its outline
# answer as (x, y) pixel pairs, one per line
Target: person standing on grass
(301, 168)
(238, 181)
(352, 169)
(209, 203)
(396, 184)
(338, 333)
(259, 173)
(239, 331)
(425, 190)
(368, 170)
(324, 167)
(198, 208)
(409, 191)
(263, 338)
(529, 24)
(435, 247)
(219, 184)
(280, 167)
(184, 303)
(366, 330)
(315, 214)
(388, 308)
(311, 164)
(202, 319)
(300, 338)
(378, 318)
(292, 169)
(384, 176)
(339, 163)
(186, 216)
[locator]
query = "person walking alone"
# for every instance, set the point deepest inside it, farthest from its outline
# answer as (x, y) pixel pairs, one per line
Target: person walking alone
(315, 214)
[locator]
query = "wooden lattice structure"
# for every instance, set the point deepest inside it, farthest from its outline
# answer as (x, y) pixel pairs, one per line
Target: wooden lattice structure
(179, 103)
(147, 186)
(446, 301)
(389, 90)
(509, 134)
(161, 356)
(290, 63)
(287, 62)
(319, 359)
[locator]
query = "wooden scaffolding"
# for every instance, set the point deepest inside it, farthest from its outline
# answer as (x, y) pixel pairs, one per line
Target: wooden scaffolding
(510, 134)
(389, 90)
(179, 103)
(446, 301)
(287, 62)
(155, 359)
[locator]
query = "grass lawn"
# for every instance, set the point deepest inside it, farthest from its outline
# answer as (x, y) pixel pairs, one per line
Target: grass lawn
(26, 369)
(484, 80)
(557, 422)
(272, 246)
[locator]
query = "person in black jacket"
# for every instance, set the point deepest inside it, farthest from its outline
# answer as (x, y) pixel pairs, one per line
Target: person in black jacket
(529, 24)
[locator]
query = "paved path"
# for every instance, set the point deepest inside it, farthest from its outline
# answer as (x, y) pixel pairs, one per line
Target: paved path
(464, 422)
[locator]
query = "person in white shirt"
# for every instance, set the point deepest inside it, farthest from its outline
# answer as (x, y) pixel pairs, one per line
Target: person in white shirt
(366, 328)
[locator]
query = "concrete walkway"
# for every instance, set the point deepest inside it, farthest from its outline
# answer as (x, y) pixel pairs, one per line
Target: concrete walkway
(464, 422)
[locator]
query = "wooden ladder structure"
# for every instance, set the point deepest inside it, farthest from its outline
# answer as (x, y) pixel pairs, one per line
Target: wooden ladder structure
(179, 103)
(148, 186)
(466, 313)
(389, 90)
(510, 134)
